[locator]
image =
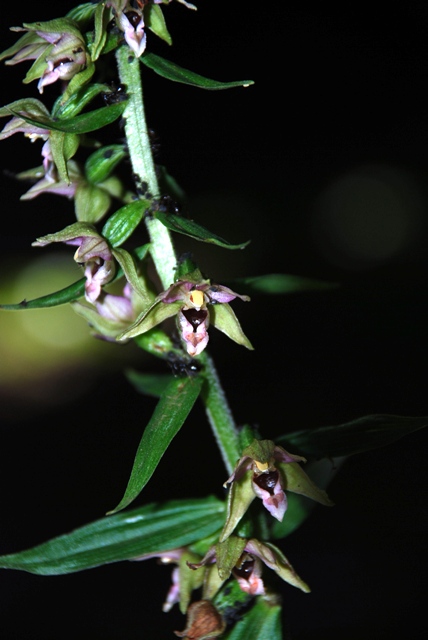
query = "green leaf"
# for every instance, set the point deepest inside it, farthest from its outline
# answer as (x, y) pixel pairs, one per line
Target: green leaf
(279, 283)
(363, 434)
(76, 102)
(194, 230)
(149, 529)
(261, 622)
(172, 71)
(167, 419)
(124, 221)
(100, 164)
(68, 294)
(83, 123)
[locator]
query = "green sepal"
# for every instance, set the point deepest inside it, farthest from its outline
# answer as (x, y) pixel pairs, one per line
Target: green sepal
(82, 14)
(223, 317)
(132, 273)
(260, 450)
(91, 202)
(63, 147)
(189, 579)
(228, 554)
(168, 418)
(194, 230)
(155, 21)
(280, 283)
(297, 481)
(102, 162)
(363, 434)
(150, 529)
(152, 316)
(25, 40)
(101, 19)
(122, 224)
(172, 71)
(262, 621)
(240, 496)
(83, 123)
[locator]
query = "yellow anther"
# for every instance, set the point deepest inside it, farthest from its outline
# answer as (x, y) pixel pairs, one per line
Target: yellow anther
(262, 466)
(197, 298)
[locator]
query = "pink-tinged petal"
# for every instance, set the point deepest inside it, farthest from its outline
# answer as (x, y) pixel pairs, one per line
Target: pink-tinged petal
(267, 486)
(132, 24)
(173, 595)
(116, 308)
(254, 585)
(281, 455)
(221, 294)
(96, 276)
(243, 465)
(193, 330)
(177, 291)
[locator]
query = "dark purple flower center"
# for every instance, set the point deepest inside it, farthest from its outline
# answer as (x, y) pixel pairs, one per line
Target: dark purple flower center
(195, 317)
(266, 481)
(244, 567)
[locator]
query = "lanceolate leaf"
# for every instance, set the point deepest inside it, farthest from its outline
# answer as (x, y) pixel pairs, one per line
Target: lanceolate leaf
(83, 123)
(363, 434)
(279, 283)
(194, 230)
(69, 294)
(173, 72)
(167, 419)
(124, 536)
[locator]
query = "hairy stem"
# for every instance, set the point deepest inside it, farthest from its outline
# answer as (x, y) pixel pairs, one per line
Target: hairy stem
(140, 152)
(162, 249)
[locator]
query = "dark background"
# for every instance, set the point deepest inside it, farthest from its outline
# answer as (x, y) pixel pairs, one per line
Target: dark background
(322, 164)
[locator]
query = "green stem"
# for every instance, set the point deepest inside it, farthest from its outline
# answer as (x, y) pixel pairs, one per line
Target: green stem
(140, 152)
(162, 249)
(219, 415)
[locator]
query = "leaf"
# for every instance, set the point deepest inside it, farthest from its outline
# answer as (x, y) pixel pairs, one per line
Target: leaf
(83, 123)
(101, 164)
(279, 283)
(194, 230)
(362, 434)
(68, 294)
(261, 622)
(167, 419)
(172, 71)
(123, 222)
(148, 529)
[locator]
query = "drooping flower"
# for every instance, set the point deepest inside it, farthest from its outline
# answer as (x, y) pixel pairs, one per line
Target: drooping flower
(183, 579)
(57, 48)
(244, 558)
(195, 302)
(93, 252)
(267, 471)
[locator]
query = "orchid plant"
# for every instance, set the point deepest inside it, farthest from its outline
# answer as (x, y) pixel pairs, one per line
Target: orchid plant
(223, 550)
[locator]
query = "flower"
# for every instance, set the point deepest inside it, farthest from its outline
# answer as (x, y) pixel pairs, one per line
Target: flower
(183, 579)
(93, 252)
(266, 470)
(189, 299)
(244, 558)
(57, 47)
